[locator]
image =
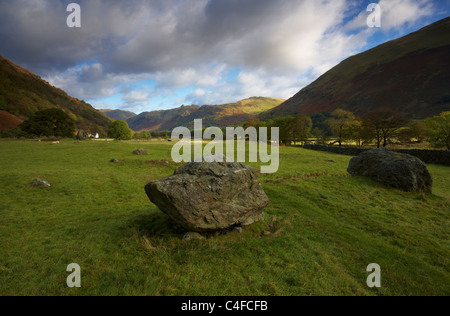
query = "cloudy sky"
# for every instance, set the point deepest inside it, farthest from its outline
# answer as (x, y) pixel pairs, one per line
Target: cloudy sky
(144, 55)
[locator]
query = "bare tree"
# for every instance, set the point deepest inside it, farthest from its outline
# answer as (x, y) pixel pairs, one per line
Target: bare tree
(385, 123)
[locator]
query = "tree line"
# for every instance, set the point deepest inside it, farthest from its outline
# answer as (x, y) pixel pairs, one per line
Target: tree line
(380, 127)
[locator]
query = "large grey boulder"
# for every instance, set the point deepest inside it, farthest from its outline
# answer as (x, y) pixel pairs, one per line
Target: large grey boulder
(401, 171)
(210, 196)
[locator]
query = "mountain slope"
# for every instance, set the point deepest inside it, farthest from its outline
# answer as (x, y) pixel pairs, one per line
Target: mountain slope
(118, 114)
(212, 115)
(8, 121)
(23, 93)
(411, 75)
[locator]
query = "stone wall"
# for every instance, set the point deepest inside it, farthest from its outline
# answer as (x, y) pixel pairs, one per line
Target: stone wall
(440, 157)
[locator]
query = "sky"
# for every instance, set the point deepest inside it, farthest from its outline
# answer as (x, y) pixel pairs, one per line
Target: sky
(146, 55)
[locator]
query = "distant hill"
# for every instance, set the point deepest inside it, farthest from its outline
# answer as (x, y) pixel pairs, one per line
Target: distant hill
(212, 115)
(410, 75)
(23, 93)
(160, 120)
(118, 114)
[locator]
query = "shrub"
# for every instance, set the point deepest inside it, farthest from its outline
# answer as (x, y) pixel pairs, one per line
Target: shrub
(119, 130)
(51, 122)
(439, 130)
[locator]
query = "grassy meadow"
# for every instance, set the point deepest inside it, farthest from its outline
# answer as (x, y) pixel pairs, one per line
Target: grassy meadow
(326, 228)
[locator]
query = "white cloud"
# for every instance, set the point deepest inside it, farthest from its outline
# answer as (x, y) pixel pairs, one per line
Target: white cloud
(198, 93)
(91, 81)
(248, 84)
(396, 14)
(136, 97)
(279, 46)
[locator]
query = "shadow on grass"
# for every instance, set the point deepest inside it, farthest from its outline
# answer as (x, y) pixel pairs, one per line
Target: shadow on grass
(157, 225)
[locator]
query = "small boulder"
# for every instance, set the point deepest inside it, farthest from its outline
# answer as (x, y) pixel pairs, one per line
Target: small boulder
(210, 196)
(114, 160)
(400, 171)
(238, 230)
(40, 183)
(192, 236)
(141, 152)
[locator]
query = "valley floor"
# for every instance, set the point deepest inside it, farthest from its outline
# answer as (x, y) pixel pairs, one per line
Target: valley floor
(326, 228)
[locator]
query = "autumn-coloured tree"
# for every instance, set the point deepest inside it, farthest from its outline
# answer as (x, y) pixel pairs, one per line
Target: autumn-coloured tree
(281, 123)
(298, 130)
(343, 125)
(413, 132)
(252, 122)
(363, 133)
(439, 130)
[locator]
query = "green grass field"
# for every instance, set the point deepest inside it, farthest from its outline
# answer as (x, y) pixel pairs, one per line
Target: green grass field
(326, 229)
